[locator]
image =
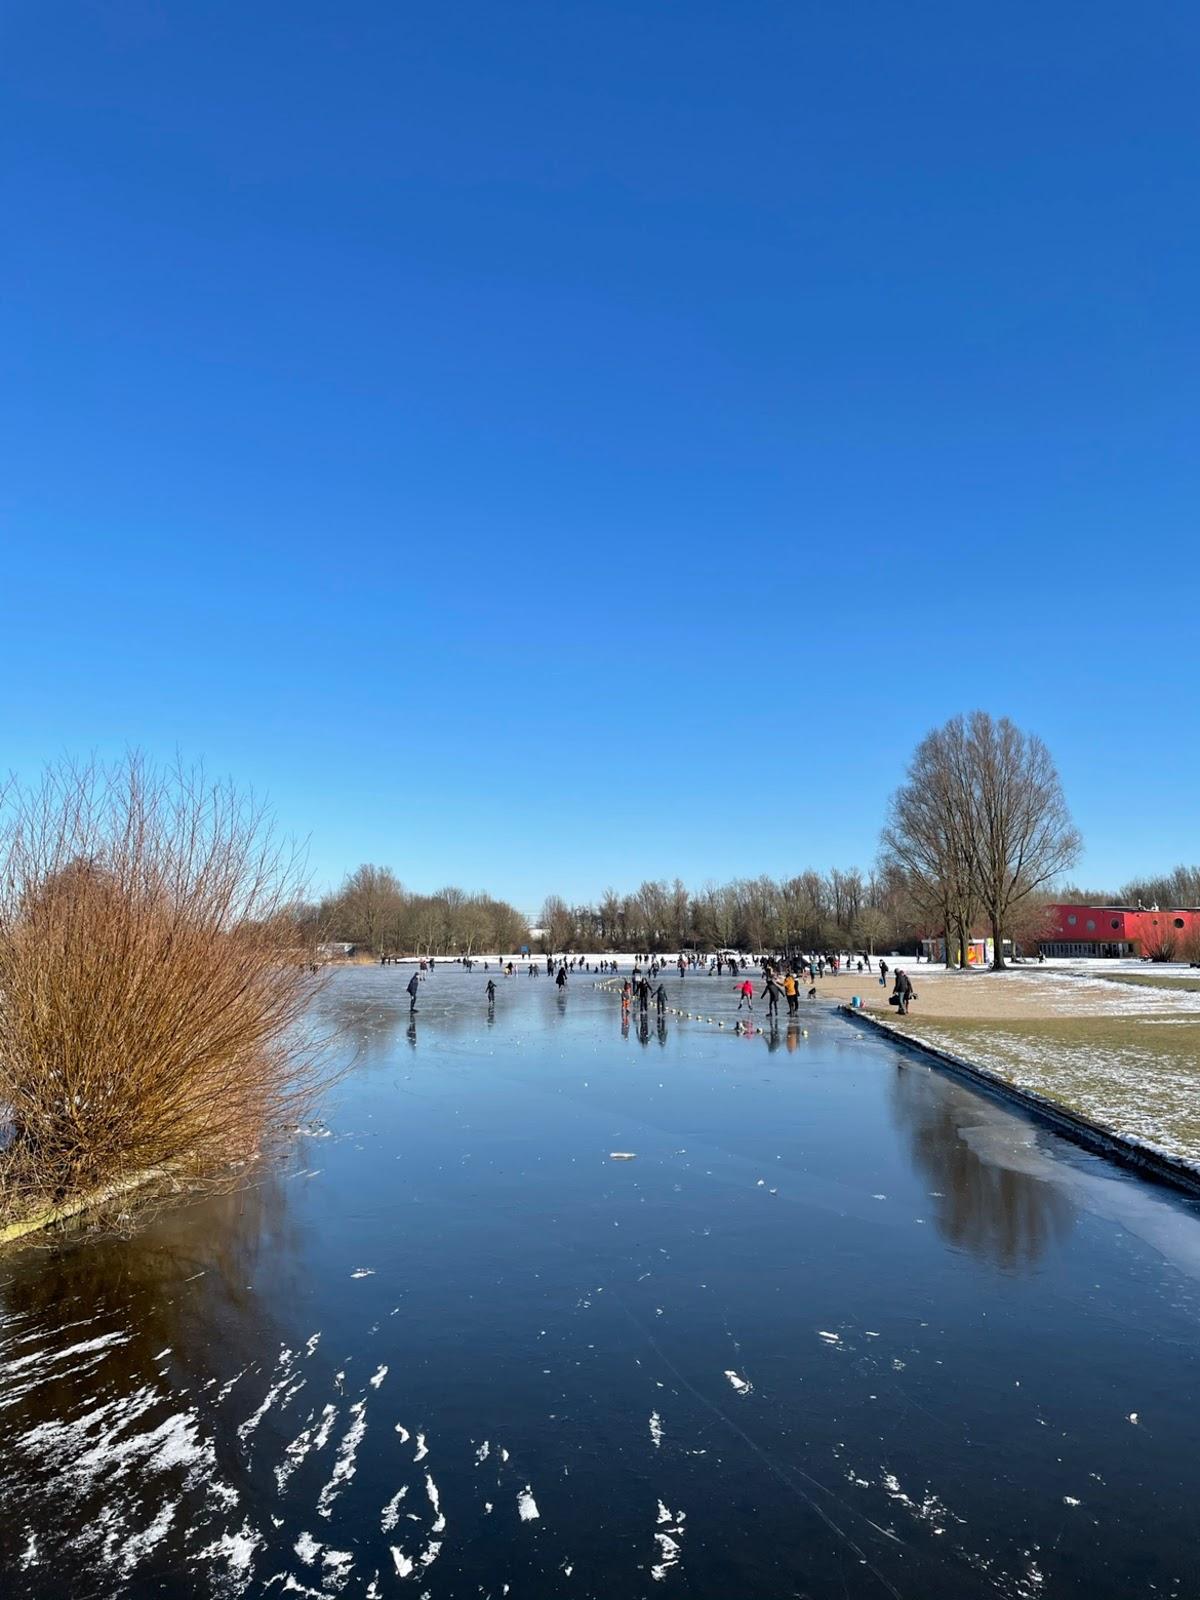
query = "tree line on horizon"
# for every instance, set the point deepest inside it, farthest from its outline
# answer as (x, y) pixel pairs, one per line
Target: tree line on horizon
(1178, 888)
(839, 910)
(373, 910)
(977, 838)
(808, 911)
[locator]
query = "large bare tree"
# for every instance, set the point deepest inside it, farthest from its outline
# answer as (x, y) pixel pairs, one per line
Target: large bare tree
(1022, 835)
(927, 837)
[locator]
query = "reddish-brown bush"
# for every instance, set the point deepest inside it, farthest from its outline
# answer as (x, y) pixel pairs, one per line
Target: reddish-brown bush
(152, 991)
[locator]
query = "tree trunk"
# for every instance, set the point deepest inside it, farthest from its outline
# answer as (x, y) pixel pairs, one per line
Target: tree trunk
(997, 946)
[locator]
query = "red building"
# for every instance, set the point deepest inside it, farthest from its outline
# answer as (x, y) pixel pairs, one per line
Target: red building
(1120, 931)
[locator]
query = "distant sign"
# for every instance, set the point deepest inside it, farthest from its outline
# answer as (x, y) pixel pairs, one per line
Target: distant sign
(524, 949)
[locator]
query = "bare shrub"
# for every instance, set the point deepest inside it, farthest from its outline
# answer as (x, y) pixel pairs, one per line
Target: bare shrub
(1161, 944)
(152, 988)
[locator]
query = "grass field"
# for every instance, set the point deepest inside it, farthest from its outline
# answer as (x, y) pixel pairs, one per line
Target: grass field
(1149, 980)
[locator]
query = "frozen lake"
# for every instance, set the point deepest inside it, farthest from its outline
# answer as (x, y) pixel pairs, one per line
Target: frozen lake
(843, 1328)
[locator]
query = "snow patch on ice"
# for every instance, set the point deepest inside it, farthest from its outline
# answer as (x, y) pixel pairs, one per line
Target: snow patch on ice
(343, 1467)
(307, 1548)
(235, 1549)
(431, 1489)
(668, 1535)
(390, 1515)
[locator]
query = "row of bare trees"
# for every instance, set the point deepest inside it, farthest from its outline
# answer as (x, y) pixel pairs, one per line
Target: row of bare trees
(979, 830)
(811, 911)
(1180, 887)
(373, 909)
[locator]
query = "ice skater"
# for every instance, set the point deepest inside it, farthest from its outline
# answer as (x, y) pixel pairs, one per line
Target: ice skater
(413, 984)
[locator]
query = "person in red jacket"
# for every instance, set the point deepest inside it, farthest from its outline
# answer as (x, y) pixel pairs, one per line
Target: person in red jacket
(746, 990)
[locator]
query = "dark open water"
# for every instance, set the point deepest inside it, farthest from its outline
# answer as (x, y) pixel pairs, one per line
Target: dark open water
(844, 1328)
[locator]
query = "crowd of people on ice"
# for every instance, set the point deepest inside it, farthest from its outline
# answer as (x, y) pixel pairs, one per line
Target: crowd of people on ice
(781, 978)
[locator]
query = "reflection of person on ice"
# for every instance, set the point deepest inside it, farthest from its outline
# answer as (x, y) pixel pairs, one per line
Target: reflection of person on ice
(414, 983)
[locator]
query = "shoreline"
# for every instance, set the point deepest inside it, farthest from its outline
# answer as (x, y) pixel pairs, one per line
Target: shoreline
(1125, 1149)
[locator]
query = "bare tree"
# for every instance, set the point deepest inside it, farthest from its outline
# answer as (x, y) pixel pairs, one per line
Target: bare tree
(718, 915)
(871, 928)
(557, 922)
(1022, 835)
(364, 908)
(610, 918)
(927, 837)
(681, 915)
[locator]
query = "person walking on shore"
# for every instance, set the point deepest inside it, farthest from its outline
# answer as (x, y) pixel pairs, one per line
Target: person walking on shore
(883, 970)
(413, 984)
(903, 991)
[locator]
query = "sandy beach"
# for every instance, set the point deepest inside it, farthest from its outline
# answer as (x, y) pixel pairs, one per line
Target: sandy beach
(1025, 994)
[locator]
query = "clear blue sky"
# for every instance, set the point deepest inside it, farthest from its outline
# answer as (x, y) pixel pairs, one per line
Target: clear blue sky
(543, 445)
